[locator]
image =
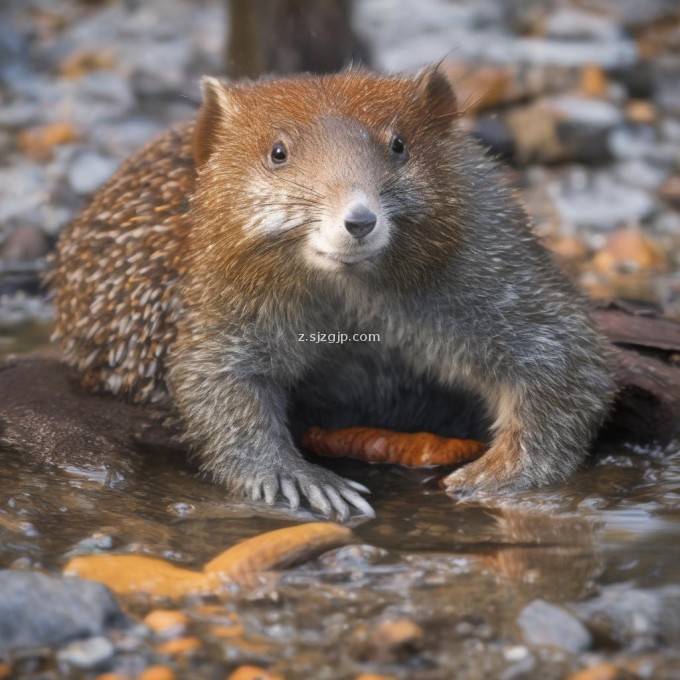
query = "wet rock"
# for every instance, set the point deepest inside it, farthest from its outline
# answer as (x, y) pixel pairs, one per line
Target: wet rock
(26, 243)
(543, 623)
(157, 673)
(629, 250)
(393, 640)
(39, 142)
(602, 671)
(166, 623)
(253, 673)
(594, 81)
(639, 141)
(569, 23)
(89, 170)
(640, 173)
(87, 654)
(563, 128)
(670, 192)
(351, 557)
(640, 111)
(38, 610)
(602, 204)
(635, 617)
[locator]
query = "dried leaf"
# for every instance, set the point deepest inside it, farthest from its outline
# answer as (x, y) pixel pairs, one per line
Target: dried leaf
(375, 445)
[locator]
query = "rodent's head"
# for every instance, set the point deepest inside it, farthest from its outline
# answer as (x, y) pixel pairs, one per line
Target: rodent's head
(348, 173)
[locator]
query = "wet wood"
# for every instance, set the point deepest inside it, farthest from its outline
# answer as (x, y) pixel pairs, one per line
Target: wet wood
(648, 402)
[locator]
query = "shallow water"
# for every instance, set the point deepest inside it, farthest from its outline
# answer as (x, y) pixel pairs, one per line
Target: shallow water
(462, 570)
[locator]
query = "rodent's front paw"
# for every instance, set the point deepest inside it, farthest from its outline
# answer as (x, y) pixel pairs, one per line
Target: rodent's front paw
(326, 492)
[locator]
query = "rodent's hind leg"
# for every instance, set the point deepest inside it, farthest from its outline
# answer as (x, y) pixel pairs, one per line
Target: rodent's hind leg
(501, 468)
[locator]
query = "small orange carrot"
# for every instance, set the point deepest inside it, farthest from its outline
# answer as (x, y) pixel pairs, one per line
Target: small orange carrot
(375, 445)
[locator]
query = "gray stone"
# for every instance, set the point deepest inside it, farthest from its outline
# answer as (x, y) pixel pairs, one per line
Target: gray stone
(547, 624)
(89, 170)
(570, 23)
(89, 653)
(38, 610)
(632, 616)
(602, 205)
(591, 112)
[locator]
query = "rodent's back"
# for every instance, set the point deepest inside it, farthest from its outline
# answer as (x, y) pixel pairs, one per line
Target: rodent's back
(116, 270)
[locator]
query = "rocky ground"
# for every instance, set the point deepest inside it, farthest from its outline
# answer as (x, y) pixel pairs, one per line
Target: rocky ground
(581, 100)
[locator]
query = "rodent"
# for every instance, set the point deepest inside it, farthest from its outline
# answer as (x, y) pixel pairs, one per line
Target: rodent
(352, 201)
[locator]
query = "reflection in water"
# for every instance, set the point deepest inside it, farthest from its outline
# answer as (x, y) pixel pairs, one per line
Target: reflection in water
(463, 570)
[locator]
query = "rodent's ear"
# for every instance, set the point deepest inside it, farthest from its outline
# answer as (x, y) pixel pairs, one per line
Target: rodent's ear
(437, 91)
(217, 104)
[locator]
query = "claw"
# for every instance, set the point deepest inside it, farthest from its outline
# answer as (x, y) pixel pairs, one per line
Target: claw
(341, 508)
(256, 492)
(357, 486)
(318, 500)
(358, 502)
(271, 488)
(290, 493)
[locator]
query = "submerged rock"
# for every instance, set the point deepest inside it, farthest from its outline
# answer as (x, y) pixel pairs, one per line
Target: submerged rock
(636, 617)
(38, 610)
(547, 624)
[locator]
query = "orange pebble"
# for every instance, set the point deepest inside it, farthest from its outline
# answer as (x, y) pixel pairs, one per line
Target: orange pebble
(253, 673)
(603, 671)
(157, 673)
(38, 142)
(593, 81)
(5, 670)
(180, 646)
(166, 622)
(227, 631)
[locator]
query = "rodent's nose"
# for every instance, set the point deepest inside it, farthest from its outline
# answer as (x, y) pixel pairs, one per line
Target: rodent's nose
(360, 221)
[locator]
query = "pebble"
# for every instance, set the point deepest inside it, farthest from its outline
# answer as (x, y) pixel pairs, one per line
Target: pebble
(670, 192)
(39, 142)
(89, 170)
(602, 671)
(184, 646)
(253, 673)
(167, 623)
(603, 205)
(543, 623)
(86, 654)
(641, 111)
(568, 23)
(629, 250)
(157, 673)
(392, 640)
(594, 81)
(351, 557)
(27, 243)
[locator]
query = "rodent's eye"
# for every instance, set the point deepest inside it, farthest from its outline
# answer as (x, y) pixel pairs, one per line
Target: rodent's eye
(397, 144)
(279, 154)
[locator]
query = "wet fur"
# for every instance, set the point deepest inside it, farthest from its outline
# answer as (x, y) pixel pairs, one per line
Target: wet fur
(205, 299)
